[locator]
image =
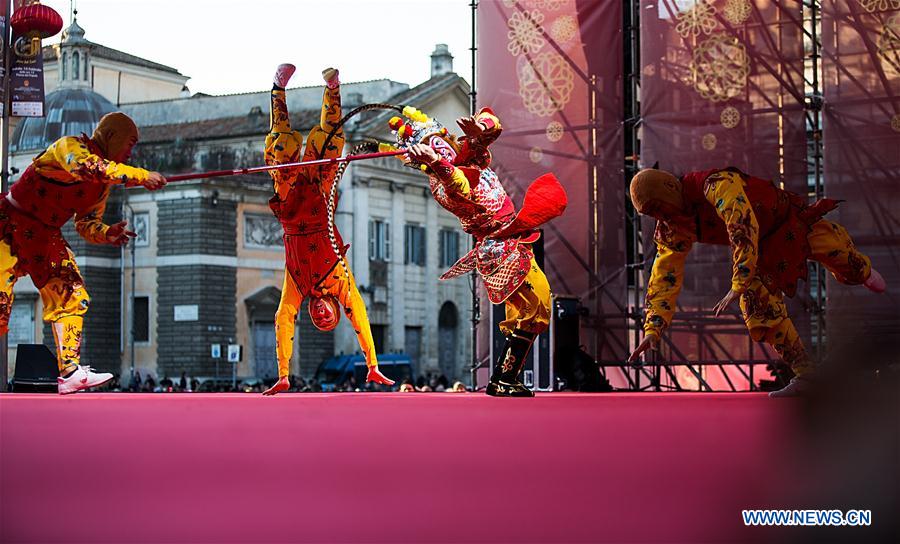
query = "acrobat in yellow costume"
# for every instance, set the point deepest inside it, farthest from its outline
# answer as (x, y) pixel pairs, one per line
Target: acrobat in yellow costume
(313, 268)
(72, 178)
(772, 234)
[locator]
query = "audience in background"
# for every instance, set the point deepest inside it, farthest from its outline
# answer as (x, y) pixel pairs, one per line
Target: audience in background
(185, 384)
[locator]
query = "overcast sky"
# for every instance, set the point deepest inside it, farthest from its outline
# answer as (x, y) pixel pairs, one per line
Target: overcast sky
(229, 46)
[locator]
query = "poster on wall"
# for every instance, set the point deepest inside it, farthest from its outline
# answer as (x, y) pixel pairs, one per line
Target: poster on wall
(3, 56)
(26, 78)
(26, 82)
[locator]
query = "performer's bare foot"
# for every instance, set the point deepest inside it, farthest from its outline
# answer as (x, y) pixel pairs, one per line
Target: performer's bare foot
(283, 74)
(376, 376)
(330, 75)
(875, 282)
(283, 384)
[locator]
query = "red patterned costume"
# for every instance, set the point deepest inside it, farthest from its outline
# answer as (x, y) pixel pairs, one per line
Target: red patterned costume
(462, 182)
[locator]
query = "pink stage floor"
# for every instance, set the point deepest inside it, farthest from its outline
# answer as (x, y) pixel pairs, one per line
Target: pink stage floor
(386, 467)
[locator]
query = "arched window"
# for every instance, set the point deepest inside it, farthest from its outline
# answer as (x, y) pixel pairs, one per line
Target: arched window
(86, 68)
(64, 66)
(76, 64)
(448, 340)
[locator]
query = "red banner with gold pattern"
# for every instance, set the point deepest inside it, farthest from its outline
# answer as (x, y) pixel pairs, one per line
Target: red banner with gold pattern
(861, 56)
(552, 71)
(721, 85)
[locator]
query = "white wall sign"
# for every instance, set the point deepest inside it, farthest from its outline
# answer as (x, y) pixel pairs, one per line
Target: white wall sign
(234, 353)
(187, 312)
(21, 323)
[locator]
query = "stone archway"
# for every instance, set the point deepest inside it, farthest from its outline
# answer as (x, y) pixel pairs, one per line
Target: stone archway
(448, 340)
(261, 355)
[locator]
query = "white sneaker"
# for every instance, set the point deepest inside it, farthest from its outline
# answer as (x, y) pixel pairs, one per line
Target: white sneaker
(875, 282)
(83, 378)
(797, 387)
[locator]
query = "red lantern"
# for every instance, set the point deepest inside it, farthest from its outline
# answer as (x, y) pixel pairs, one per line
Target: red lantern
(36, 18)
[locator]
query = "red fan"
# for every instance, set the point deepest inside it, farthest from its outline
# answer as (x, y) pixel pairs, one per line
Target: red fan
(36, 18)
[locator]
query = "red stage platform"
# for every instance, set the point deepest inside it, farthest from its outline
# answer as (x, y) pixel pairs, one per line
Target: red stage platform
(386, 467)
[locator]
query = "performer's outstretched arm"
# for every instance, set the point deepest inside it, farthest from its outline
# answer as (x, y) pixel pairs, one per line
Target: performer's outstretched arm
(666, 279)
(285, 325)
(725, 191)
(343, 287)
(90, 225)
(482, 128)
(452, 179)
(68, 160)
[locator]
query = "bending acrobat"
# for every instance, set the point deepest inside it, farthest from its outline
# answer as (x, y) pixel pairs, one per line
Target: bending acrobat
(772, 234)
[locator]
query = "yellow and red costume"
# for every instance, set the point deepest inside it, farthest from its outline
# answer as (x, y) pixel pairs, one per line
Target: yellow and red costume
(312, 268)
(467, 187)
(772, 234)
(70, 179)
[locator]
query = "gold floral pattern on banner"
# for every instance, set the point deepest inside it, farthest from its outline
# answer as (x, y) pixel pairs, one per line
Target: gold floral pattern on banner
(545, 85)
(720, 67)
(509, 3)
(709, 141)
(649, 70)
(699, 19)
(895, 122)
(737, 11)
(564, 29)
(525, 34)
(879, 5)
(555, 131)
(889, 45)
(549, 5)
(730, 117)
(536, 154)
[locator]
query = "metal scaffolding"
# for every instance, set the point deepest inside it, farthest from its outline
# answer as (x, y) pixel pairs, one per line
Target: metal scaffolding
(718, 338)
(660, 374)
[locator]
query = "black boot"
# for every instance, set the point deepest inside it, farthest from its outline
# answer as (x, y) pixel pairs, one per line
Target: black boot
(505, 379)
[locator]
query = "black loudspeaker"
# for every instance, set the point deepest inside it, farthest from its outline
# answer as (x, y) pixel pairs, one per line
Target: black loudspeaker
(574, 369)
(36, 369)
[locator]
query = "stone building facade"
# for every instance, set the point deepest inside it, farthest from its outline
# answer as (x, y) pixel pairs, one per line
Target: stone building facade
(207, 267)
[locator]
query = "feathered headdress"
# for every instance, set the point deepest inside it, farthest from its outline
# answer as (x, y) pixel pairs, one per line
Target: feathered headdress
(418, 127)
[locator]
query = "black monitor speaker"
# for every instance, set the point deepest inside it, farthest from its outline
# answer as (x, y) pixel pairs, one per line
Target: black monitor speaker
(36, 369)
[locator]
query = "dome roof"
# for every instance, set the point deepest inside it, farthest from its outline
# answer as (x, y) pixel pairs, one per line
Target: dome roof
(67, 112)
(74, 34)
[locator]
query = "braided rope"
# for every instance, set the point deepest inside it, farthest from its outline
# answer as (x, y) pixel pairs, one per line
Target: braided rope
(339, 173)
(332, 196)
(354, 112)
